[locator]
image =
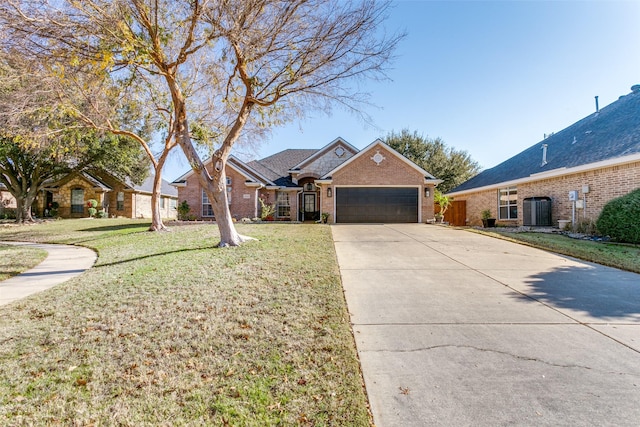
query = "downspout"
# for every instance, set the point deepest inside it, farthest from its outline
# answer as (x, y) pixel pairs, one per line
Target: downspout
(255, 202)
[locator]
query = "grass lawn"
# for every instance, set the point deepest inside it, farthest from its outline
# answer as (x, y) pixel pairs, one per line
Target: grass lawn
(166, 329)
(14, 260)
(626, 257)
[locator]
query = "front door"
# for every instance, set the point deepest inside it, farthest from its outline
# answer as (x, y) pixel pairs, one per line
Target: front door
(310, 212)
(48, 203)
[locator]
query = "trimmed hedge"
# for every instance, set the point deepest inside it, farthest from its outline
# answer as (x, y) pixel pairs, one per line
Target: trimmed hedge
(620, 218)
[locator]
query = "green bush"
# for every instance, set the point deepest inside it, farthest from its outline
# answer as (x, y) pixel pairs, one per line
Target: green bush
(8, 213)
(620, 218)
(183, 210)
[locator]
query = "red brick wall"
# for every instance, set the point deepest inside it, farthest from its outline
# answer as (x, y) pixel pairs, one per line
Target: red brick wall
(392, 171)
(604, 185)
(243, 198)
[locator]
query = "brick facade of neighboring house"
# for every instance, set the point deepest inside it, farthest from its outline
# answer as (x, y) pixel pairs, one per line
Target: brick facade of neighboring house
(597, 159)
(301, 183)
(7, 201)
(116, 197)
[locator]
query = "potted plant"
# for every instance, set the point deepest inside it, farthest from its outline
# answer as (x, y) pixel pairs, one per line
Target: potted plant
(325, 217)
(487, 220)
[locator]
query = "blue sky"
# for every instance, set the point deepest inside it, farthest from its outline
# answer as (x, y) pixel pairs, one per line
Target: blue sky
(490, 78)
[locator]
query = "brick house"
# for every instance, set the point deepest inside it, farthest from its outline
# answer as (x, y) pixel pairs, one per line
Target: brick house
(118, 198)
(375, 184)
(7, 201)
(570, 175)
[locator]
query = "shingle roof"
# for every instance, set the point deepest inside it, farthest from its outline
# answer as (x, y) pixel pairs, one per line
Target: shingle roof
(276, 167)
(612, 132)
(166, 189)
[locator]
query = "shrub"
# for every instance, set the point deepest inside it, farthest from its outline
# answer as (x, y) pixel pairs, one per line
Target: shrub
(183, 210)
(102, 213)
(584, 227)
(266, 211)
(619, 218)
(9, 213)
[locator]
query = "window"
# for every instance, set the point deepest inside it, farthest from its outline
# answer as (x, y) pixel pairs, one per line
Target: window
(173, 204)
(283, 205)
(508, 203)
(77, 200)
(207, 209)
(229, 195)
(120, 201)
(163, 202)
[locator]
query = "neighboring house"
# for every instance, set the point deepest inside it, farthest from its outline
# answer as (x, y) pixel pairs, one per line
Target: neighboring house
(116, 197)
(375, 184)
(6, 199)
(571, 174)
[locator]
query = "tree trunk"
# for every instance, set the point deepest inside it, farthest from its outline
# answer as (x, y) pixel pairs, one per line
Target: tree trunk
(156, 215)
(23, 209)
(217, 193)
(216, 190)
(214, 187)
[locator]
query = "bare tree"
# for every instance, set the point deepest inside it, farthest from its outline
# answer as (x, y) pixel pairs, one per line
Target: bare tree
(227, 66)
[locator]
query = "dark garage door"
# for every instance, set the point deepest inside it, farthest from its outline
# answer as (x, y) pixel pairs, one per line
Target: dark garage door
(376, 204)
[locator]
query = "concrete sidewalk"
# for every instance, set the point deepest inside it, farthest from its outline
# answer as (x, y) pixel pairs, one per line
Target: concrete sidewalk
(455, 328)
(62, 263)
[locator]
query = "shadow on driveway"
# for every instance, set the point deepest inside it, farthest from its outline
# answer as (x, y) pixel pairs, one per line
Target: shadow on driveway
(612, 294)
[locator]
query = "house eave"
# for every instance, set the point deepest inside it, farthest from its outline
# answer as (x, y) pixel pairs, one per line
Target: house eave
(435, 182)
(554, 173)
(323, 181)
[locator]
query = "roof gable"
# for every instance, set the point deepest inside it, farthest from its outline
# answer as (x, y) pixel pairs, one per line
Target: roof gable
(90, 178)
(381, 145)
(166, 189)
(333, 145)
(612, 133)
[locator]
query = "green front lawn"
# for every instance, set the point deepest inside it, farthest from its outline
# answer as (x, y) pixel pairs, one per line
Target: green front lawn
(15, 260)
(166, 329)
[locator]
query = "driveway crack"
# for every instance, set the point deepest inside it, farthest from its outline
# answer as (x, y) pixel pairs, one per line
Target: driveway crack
(504, 353)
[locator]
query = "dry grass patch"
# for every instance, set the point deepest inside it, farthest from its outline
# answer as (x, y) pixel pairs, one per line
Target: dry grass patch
(15, 260)
(166, 329)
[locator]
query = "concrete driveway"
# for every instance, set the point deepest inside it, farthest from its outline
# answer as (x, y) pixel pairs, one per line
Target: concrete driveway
(455, 328)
